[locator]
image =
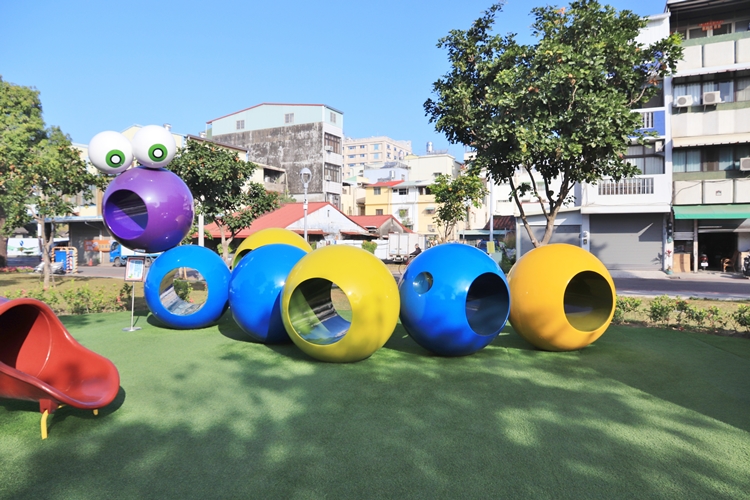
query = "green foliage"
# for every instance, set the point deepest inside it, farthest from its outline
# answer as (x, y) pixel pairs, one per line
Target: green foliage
(661, 308)
(370, 246)
(39, 168)
(625, 305)
(182, 288)
(559, 109)
(78, 299)
(715, 318)
(222, 189)
(742, 317)
(506, 263)
(453, 197)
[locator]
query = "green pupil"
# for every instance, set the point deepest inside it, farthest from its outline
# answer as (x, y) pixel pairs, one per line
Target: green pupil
(157, 152)
(115, 158)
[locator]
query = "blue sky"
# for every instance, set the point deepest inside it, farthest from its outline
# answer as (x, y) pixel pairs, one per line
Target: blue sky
(103, 65)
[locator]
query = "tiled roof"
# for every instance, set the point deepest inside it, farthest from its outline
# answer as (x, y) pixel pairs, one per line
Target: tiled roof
(282, 217)
(385, 184)
(502, 222)
(376, 221)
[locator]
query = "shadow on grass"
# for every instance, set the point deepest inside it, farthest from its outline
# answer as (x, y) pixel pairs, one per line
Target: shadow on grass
(211, 418)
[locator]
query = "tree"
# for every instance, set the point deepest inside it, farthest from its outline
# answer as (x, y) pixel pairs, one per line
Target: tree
(41, 171)
(453, 197)
(221, 186)
(560, 109)
(21, 130)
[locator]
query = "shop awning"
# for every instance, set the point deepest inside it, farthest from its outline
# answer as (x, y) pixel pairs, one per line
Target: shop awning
(710, 140)
(737, 211)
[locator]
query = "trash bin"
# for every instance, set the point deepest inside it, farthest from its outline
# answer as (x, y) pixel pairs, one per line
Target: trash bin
(62, 256)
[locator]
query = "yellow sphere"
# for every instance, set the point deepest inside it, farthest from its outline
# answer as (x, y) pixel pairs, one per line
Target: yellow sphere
(267, 237)
(309, 315)
(562, 297)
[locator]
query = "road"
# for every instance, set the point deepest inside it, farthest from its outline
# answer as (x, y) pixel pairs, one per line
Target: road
(725, 288)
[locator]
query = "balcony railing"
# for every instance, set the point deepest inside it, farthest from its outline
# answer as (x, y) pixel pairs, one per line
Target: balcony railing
(637, 185)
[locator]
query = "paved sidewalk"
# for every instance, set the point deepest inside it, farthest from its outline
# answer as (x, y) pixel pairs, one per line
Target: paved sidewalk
(713, 276)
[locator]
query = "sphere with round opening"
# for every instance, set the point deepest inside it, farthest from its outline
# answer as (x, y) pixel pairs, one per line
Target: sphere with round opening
(269, 236)
(161, 295)
(310, 313)
(454, 299)
(148, 209)
(255, 291)
(562, 297)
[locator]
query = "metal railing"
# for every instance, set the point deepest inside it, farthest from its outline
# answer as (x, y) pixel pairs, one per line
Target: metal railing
(636, 185)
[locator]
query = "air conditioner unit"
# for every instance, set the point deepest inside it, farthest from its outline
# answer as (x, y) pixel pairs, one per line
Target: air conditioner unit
(329, 148)
(712, 97)
(683, 101)
(745, 163)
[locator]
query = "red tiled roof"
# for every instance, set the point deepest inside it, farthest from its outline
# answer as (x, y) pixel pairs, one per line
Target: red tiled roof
(376, 221)
(282, 217)
(385, 184)
(502, 222)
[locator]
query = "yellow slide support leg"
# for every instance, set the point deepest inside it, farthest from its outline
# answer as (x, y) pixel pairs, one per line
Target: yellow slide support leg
(44, 424)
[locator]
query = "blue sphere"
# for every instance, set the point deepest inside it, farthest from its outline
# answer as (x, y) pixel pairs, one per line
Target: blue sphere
(255, 291)
(162, 298)
(454, 299)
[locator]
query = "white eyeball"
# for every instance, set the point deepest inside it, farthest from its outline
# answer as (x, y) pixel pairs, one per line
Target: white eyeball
(154, 146)
(111, 152)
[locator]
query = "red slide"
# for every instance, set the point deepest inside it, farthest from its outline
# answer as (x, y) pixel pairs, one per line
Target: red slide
(40, 361)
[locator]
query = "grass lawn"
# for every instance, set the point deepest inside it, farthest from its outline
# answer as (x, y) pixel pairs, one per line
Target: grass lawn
(642, 413)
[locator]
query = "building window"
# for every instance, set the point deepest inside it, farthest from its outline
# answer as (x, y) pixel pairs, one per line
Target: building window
(289, 118)
(403, 191)
(362, 156)
(333, 199)
(378, 211)
(333, 117)
(376, 156)
(240, 124)
(648, 158)
(648, 120)
(431, 228)
(730, 90)
(376, 147)
(376, 191)
(362, 146)
(351, 147)
(389, 156)
(709, 159)
(352, 156)
(332, 173)
(332, 143)
(388, 146)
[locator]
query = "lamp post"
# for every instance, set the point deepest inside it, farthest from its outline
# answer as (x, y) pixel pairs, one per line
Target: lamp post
(305, 174)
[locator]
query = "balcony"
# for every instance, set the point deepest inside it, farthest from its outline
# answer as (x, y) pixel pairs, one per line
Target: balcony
(634, 186)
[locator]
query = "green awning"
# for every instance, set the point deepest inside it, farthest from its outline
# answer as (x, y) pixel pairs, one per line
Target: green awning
(737, 211)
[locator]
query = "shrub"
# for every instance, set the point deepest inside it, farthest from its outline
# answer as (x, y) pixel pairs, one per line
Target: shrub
(715, 318)
(182, 289)
(370, 246)
(623, 306)
(697, 315)
(742, 317)
(661, 309)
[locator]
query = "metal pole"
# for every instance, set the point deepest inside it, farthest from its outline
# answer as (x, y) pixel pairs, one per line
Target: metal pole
(492, 210)
(304, 208)
(132, 309)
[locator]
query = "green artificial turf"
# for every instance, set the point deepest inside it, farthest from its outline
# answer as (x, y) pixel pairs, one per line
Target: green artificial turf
(642, 413)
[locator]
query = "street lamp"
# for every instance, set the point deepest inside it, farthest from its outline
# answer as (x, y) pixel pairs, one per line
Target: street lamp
(305, 174)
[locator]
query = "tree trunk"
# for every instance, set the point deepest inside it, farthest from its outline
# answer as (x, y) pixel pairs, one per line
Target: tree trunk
(46, 249)
(3, 242)
(224, 244)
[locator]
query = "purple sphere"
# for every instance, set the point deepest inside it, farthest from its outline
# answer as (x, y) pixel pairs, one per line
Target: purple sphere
(148, 209)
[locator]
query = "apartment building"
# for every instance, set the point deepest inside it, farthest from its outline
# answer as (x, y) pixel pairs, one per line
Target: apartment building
(709, 108)
(290, 137)
(360, 153)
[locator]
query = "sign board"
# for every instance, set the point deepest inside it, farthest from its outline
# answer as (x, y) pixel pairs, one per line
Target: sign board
(135, 269)
(96, 245)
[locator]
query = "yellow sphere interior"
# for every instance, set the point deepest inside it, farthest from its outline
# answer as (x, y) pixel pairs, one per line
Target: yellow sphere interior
(268, 237)
(562, 297)
(313, 322)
